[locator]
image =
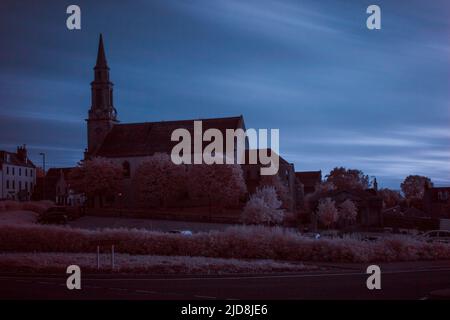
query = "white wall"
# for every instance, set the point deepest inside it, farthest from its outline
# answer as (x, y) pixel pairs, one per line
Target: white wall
(15, 178)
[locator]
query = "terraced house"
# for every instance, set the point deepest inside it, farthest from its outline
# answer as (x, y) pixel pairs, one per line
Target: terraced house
(17, 175)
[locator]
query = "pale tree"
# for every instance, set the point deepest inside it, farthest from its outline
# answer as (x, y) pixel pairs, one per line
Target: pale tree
(414, 185)
(348, 179)
(158, 181)
(98, 177)
(263, 207)
(221, 185)
(348, 211)
(281, 189)
(327, 212)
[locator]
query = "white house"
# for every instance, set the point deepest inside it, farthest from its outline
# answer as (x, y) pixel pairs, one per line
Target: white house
(17, 175)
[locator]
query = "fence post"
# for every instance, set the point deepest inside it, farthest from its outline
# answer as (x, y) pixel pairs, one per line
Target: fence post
(112, 257)
(98, 257)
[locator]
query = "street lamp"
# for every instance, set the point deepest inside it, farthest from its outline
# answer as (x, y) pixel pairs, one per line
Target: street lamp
(43, 180)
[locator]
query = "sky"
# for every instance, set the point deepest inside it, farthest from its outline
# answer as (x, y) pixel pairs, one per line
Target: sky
(340, 94)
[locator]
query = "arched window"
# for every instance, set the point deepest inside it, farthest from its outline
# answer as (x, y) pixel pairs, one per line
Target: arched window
(126, 169)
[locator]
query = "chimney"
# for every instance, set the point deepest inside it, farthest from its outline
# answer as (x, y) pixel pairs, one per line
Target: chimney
(22, 153)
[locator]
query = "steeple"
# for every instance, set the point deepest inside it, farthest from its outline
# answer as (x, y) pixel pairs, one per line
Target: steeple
(102, 114)
(101, 57)
(101, 88)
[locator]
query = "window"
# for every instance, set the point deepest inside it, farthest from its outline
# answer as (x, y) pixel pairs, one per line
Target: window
(7, 184)
(13, 171)
(20, 185)
(26, 173)
(442, 195)
(7, 170)
(14, 184)
(31, 172)
(26, 185)
(20, 171)
(126, 169)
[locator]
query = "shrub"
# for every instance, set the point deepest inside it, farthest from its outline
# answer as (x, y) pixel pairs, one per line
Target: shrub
(246, 242)
(263, 207)
(327, 212)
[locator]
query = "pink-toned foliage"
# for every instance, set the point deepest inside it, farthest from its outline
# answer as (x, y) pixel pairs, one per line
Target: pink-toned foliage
(281, 189)
(414, 185)
(263, 207)
(348, 211)
(97, 177)
(221, 185)
(124, 263)
(158, 181)
(238, 242)
(327, 212)
(348, 179)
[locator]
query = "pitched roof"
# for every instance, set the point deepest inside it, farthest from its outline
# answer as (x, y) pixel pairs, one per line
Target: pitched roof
(13, 159)
(142, 139)
(255, 153)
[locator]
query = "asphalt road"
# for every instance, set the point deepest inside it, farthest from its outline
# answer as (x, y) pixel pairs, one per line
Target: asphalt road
(94, 223)
(397, 283)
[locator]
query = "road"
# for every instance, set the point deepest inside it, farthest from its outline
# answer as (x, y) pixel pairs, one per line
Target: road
(397, 282)
(94, 223)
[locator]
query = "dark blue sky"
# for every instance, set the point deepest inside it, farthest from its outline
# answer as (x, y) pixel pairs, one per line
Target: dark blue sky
(340, 94)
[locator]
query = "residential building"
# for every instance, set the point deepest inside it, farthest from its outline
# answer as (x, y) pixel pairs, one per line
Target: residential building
(17, 175)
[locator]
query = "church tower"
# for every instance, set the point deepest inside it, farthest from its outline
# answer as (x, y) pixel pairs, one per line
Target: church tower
(102, 114)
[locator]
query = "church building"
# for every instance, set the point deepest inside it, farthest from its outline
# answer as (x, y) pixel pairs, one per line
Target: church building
(129, 144)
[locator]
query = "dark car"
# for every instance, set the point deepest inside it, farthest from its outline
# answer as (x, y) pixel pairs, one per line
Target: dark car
(54, 215)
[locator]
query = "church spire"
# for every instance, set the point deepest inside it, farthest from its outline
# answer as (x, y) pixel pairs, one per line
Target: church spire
(101, 57)
(102, 114)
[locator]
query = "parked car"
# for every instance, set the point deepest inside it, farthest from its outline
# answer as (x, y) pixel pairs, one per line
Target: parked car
(436, 236)
(54, 215)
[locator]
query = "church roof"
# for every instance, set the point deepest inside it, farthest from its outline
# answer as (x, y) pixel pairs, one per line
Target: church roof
(254, 153)
(148, 138)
